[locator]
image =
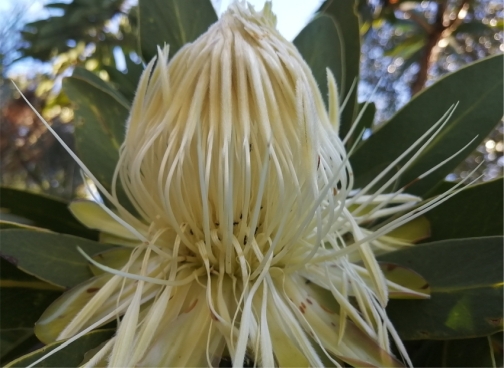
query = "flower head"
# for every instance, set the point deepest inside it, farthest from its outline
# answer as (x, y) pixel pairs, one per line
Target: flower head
(247, 240)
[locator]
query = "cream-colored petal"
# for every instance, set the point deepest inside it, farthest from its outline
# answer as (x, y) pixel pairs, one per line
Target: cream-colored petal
(287, 353)
(355, 347)
(188, 339)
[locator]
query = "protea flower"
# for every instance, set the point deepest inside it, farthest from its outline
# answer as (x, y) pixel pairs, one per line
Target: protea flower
(248, 239)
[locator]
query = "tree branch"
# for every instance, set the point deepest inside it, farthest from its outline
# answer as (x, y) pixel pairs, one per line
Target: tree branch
(432, 39)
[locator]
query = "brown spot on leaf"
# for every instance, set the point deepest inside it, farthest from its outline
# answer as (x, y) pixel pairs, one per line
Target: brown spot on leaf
(426, 286)
(391, 267)
(92, 290)
(495, 321)
(309, 301)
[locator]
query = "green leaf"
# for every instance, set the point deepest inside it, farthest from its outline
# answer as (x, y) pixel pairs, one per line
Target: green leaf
(474, 212)
(172, 22)
(15, 343)
(365, 122)
(100, 120)
(312, 42)
(479, 90)
(465, 276)
(24, 299)
(457, 353)
(13, 277)
(125, 83)
(43, 211)
(94, 80)
(468, 353)
(49, 256)
(11, 338)
(70, 356)
(347, 21)
(101, 113)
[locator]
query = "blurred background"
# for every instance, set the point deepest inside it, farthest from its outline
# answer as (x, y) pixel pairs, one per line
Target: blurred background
(406, 46)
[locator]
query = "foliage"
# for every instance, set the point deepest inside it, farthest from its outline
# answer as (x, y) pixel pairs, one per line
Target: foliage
(410, 44)
(91, 35)
(83, 25)
(462, 262)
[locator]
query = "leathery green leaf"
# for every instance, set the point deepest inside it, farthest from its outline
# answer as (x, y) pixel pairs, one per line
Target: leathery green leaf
(70, 356)
(4, 225)
(476, 352)
(465, 276)
(100, 120)
(126, 83)
(479, 110)
(49, 256)
(24, 298)
(106, 87)
(43, 211)
(475, 211)
(101, 113)
(14, 340)
(347, 21)
(312, 42)
(172, 22)
(366, 121)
